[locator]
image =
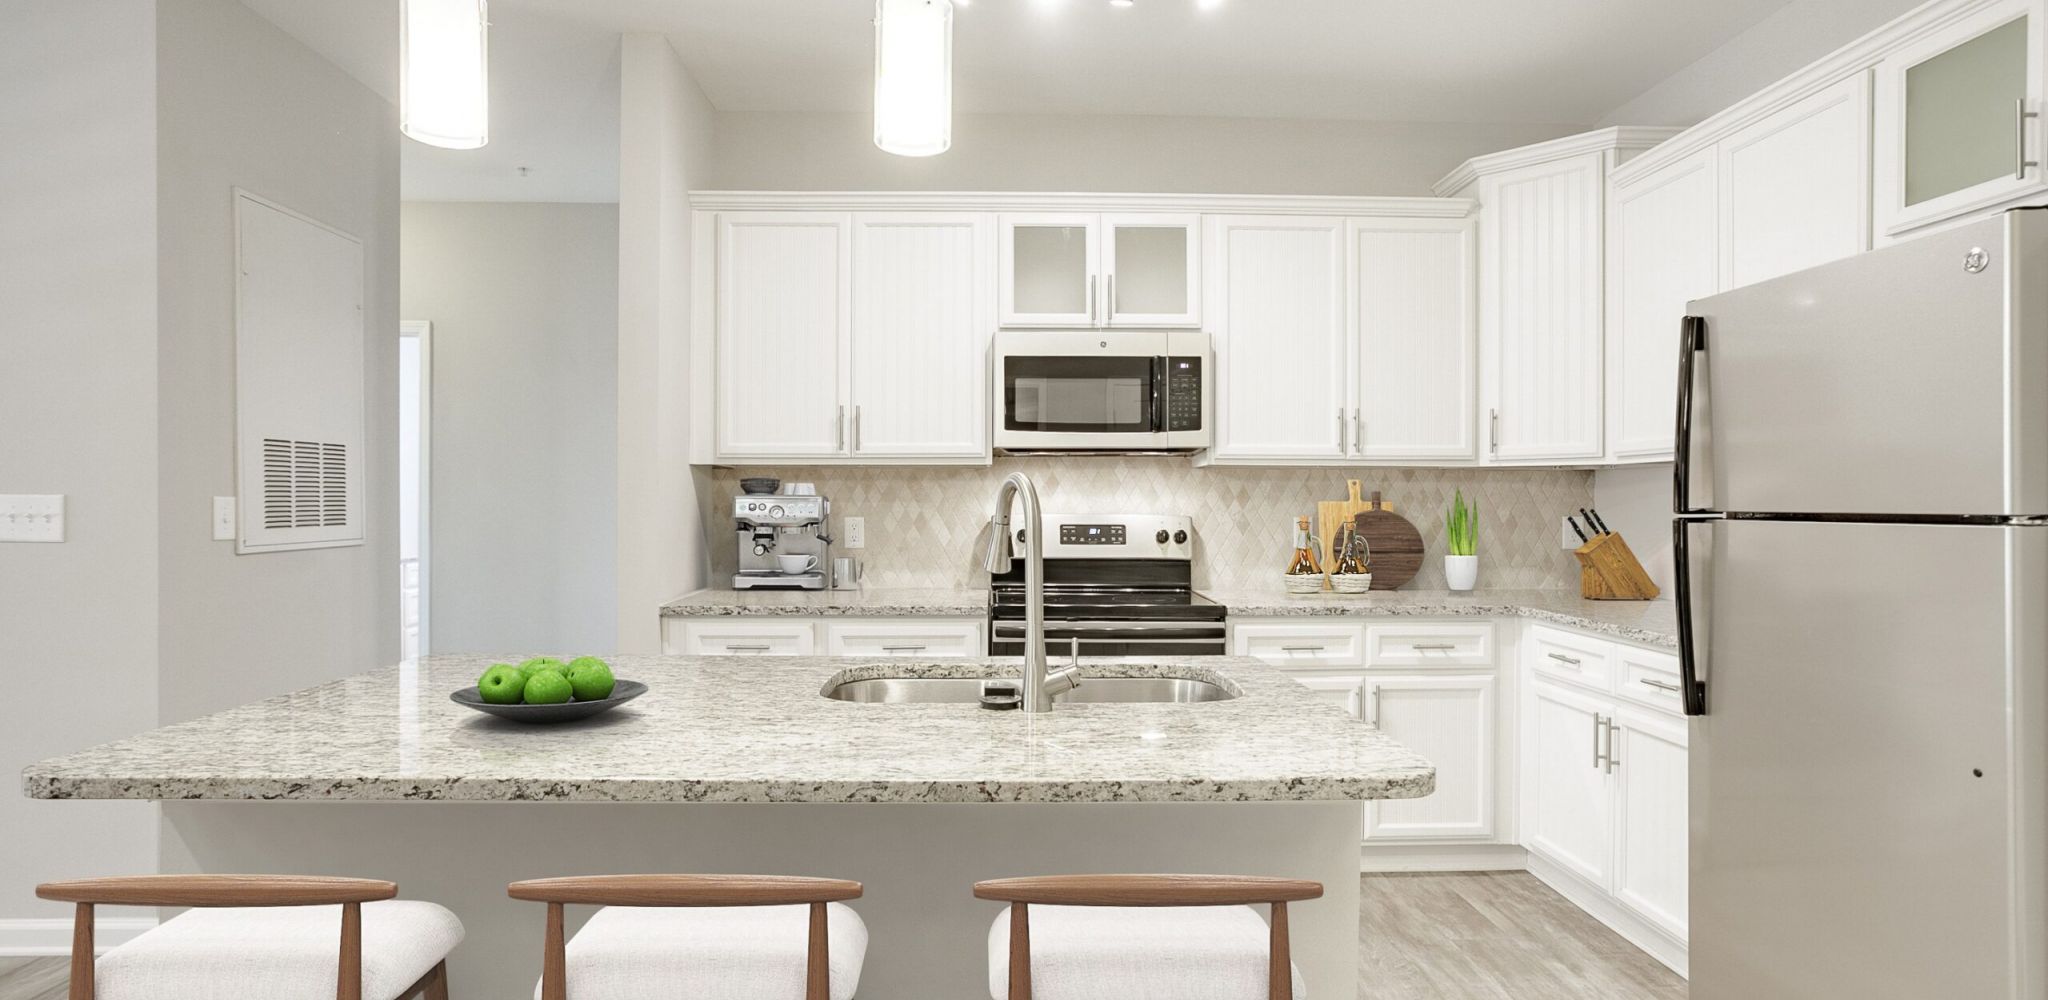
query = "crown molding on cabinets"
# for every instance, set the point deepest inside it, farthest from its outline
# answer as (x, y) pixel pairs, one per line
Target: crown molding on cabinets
(1859, 56)
(1621, 138)
(1033, 201)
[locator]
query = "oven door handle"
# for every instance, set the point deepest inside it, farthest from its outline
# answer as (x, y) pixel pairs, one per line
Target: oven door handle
(1139, 632)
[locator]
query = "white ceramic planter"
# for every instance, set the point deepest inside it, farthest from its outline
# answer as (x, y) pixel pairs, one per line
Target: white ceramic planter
(1461, 572)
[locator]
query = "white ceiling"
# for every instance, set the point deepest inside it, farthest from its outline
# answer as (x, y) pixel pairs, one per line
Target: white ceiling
(555, 65)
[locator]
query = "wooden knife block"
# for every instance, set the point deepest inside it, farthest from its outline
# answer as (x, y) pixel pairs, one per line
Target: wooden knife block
(1608, 571)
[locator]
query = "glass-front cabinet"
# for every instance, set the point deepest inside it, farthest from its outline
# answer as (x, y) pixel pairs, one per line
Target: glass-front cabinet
(1093, 270)
(1957, 118)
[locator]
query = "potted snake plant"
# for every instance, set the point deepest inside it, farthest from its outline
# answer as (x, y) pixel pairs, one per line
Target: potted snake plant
(1461, 528)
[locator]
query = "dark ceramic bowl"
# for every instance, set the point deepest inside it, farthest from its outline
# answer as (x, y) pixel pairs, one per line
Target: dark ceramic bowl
(758, 486)
(568, 711)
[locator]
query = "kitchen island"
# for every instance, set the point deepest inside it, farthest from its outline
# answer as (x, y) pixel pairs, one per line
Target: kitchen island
(742, 764)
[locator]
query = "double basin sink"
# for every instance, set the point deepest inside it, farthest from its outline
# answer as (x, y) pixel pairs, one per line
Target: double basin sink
(994, 690)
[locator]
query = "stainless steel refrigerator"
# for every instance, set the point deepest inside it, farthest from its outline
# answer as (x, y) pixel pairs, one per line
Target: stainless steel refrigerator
(1862, 552)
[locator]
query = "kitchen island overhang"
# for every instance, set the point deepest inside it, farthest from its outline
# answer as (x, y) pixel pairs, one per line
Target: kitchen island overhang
(742, 765)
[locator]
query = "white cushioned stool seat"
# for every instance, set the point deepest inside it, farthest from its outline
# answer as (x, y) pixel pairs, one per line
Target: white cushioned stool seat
(1139, 953)
(277, 953)
(711, 953)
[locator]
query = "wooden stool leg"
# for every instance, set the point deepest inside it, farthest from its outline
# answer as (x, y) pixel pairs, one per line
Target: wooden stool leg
(437, 982)
(1280, 974)
(349, 983)
(818, 974)
(1020, 951)
(554, 968)
(81, 953)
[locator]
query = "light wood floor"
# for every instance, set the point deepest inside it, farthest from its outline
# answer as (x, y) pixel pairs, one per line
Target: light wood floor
(1488, 936)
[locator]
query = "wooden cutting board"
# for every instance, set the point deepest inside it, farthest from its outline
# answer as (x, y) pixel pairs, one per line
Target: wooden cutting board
(1396, 545)
(1331, 515)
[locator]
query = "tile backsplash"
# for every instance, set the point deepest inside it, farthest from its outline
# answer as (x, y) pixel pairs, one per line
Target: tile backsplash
(922, 521)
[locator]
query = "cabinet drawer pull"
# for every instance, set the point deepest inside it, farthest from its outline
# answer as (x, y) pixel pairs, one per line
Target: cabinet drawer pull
(1660, 685)
(1301, 649)
(742, 649)
(1561, 658)
(1426, 647)
(902, 649)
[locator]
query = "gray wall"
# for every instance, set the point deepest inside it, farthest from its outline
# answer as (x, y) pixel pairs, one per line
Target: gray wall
(1769, 51)
(524, 304)
(667, 135)
(78, 261)
(279, 120)
(829, 151)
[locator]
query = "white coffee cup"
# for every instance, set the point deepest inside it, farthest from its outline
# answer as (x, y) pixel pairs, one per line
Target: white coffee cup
(796, 564)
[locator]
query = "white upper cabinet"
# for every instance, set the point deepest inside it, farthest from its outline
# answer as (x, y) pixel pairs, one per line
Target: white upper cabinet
(1957, 126)
(1796, 186)
(1417, 316)
(1276, 291)
(921, 323)
(1093, 270)
(1540, 309)
(1662, 253)
(782, 315)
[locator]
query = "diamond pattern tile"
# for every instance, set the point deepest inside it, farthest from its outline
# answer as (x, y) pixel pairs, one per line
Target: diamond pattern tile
(922, 521)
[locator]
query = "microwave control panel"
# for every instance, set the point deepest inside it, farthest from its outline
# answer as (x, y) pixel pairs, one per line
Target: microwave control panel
(1184, 394)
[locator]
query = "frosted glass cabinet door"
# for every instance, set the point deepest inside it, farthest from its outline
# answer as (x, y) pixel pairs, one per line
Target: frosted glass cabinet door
(1955, 115)
(1152, 268)
(1050, 270)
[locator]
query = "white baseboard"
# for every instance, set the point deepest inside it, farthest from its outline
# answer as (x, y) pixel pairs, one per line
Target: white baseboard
(1649, 937)
(1443, 858)
(37, 938)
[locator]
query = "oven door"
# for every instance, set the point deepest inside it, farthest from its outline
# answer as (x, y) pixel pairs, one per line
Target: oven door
(1105, 638)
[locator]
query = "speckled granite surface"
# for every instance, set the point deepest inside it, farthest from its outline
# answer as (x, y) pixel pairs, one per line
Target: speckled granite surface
(755, 729)
(937, 602)
(1651, 622)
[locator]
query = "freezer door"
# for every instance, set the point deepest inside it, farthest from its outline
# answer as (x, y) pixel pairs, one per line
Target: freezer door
(1881, 383)
(1865, 808)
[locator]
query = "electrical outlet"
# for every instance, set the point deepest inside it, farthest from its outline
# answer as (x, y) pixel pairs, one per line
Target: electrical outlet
(1565, 532)
(856, 532)
(32, 517)
(223, 519)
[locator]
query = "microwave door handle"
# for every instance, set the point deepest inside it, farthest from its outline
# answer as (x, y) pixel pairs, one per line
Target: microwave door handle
(1159, 397)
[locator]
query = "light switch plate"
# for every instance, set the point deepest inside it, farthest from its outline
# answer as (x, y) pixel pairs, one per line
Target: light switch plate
(223, 519)
(1564, 530)
(856, 532)
(32, 517)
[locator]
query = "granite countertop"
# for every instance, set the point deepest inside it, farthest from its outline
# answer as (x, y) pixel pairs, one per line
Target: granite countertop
(756, 729)
(1651, 622)
(934, 602)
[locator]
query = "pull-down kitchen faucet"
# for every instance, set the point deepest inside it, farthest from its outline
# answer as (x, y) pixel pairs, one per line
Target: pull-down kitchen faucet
(1039, 686)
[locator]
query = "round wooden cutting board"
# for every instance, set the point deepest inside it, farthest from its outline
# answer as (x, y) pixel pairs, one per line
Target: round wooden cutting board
(1396, 545)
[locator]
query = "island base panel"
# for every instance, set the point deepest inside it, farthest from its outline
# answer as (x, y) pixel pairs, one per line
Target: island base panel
(928, 935)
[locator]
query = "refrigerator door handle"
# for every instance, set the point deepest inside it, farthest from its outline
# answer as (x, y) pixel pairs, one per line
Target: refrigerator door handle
(1693, 341)
(1692, 679)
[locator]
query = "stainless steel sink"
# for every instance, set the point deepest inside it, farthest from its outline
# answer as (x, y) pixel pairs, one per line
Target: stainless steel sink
(970, 690)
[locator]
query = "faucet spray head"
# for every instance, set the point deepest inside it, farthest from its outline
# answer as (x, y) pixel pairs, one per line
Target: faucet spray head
(997, 553)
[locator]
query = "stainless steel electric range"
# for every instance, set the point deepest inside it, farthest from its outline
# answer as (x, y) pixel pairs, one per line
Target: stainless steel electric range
(1121, 584)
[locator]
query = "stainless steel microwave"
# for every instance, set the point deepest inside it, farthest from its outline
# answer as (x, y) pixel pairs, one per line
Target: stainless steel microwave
(1104, 390)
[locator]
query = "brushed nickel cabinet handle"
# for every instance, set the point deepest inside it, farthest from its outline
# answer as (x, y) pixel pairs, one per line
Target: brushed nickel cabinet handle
(1661, 685)
(1301, 649)
(1092, 281)
(1561, 658)
(902, 649)
(1612, 761)
(2021, 114)
(743, 649)
(1431, 646)
(1343, 445)
(1109, 298)
(856, 427)
(1598, 757)
(1358, 431)
(1493, 432)
(839, 428)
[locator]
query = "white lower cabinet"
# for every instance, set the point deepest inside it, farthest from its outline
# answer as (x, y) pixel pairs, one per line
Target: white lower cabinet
(1346, 691)
(1450, 719)
(1567, 797)
(1651, 846)
(878, 637)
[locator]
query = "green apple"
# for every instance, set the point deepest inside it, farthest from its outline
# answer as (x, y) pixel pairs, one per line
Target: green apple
(548, 687)
(540, 663)
(503, 684)
(591, 678)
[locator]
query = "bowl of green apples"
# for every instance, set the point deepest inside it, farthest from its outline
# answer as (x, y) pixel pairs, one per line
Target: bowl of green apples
(545, 689)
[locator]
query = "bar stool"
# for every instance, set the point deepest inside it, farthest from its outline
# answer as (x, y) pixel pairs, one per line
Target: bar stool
(1132, 937)
(707, 937)
(273, 937)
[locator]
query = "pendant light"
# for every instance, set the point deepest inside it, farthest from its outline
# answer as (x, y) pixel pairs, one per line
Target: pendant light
(444, 72)
(914, 76)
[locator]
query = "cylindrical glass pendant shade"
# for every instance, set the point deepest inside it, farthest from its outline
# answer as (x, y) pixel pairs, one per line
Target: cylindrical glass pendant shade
(914, 76)
(444, 72)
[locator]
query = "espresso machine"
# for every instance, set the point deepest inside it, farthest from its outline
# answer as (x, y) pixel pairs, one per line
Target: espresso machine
(782, 541)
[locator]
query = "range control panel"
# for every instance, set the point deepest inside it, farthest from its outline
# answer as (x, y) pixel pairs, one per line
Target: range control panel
(1091, 534)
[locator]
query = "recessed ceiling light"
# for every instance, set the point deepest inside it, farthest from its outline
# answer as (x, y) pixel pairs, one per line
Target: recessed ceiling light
(1123, 3)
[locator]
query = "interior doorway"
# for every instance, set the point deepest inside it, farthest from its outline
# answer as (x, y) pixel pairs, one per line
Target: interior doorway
(415, 416)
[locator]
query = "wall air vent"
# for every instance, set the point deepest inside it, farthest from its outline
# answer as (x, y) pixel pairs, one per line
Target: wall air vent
(300, 338)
